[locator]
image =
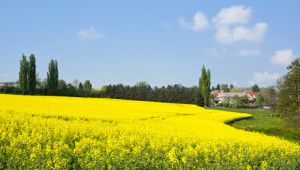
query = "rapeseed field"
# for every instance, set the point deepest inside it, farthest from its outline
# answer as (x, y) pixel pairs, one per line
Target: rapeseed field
(38, 132)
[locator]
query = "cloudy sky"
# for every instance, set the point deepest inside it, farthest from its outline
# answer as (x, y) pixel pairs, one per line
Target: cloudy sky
(166, 42)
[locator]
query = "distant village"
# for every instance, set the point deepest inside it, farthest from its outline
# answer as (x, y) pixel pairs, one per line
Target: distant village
(14, 84)
(245, 99)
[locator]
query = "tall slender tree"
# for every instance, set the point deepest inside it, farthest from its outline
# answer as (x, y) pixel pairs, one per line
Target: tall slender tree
(32, 74)
(52, 75)
(23, 75)
(204, 85)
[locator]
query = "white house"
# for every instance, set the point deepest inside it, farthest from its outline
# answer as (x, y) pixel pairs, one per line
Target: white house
(222, 97)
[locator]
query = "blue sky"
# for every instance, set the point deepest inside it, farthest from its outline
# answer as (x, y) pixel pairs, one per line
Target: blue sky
(160, 42)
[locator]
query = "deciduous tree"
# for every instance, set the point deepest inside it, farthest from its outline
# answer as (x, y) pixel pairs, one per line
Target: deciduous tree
(87, 85)
(255, 88)
(224, 87)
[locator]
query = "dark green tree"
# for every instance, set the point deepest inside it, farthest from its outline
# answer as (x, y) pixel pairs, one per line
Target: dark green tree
(23, 75)
(218, 87)
(80, 86)
(52, 75)
(87, 85)
(231, 87)
(204, 85)
(62, 84)
(255, 88)
(32, 74)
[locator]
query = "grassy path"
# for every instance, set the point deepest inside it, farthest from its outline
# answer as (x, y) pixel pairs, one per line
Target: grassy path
(262, 122)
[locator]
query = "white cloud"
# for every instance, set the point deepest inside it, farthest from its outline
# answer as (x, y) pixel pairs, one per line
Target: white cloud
(225, 35)
(89, 34)
(264, 78)
(233, 15)
(200, 22)
(165, 25)
(282, 57)
(247, 52)
(228, 34)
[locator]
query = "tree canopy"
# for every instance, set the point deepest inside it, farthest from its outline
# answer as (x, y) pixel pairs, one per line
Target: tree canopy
(52, 75)
(23, 75)
(255, 88)
(32, 74)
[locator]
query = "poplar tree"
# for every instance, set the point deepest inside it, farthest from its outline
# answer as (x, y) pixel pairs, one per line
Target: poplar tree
(52, 75)
(32, 74)
(204, 86)
(23, 74)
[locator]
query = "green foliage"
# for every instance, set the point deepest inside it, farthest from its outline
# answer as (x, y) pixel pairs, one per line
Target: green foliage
(32, 74)
(23, 75)
(87, 85)
(259, 100)
(289, 95)
(80, 86)
(62, 84)
(27, 74)
(224, 87)
(218, 87)
(204, 86)
(231, 87)
(255, 88)
(52, 75)
(144, 92)
(234, 89)
(239, 102)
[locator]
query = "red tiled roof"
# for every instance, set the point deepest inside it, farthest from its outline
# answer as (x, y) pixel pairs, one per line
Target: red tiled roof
(216, 92)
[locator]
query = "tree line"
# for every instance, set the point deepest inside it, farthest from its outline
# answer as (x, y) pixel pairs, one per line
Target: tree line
(143, 91)
(231, 88)
(52, 85)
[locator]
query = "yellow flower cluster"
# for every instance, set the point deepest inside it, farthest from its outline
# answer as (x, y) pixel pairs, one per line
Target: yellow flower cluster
(38, 132)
